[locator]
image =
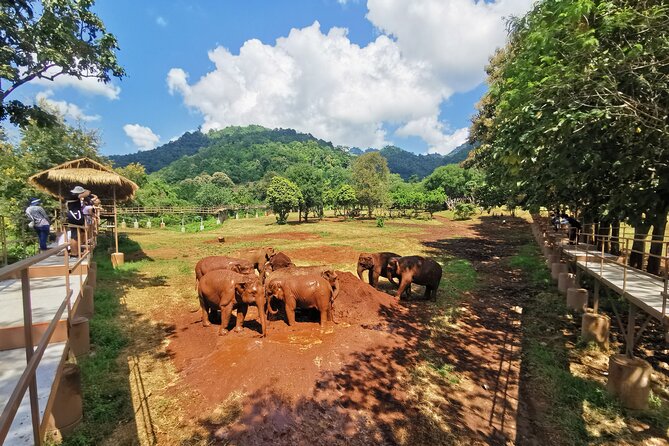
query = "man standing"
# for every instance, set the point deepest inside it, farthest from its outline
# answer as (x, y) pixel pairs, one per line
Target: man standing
(39, 221)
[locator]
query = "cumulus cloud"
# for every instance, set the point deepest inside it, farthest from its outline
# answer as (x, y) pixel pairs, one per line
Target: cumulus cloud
(435, 134)
(86, 85)
(161, 21)
(324, 84)
(455, 37)
(142, 137)
(67, 109)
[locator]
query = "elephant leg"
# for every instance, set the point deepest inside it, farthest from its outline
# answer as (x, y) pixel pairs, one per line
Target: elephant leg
(408, 290)
(260, 303)
(241, 315)
(375, 279)
(226, 312)
(331, 316)
(400, 290)
(428, 292)
(324, 318)
(290, 312)
(205, 313)
(370, 276)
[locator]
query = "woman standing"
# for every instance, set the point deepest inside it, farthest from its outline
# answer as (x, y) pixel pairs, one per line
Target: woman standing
(39, 222)
(75, 216)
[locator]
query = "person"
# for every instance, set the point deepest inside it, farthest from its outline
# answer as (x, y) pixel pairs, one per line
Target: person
(40, 222)
(574, 227)
(75, 215)
(88, 209)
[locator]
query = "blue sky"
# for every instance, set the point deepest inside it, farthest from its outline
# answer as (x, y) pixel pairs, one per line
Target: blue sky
(358, 73)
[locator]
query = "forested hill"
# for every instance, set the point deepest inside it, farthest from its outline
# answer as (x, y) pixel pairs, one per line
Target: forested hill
(248, 153)
(155, 159)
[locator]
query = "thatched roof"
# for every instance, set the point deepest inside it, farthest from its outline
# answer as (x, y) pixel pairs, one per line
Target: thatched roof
(99, 179)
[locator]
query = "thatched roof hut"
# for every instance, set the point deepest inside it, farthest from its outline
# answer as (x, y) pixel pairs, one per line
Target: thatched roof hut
(99, 179)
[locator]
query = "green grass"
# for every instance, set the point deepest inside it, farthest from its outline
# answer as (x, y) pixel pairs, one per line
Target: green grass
(575, 405)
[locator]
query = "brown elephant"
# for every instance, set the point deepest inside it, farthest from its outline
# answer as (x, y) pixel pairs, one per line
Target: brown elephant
(227, 290)
(309, 291)
(212, 263)
(256, 256)
(279, 260)
(416, 269)
(376, 263)
(324, 271)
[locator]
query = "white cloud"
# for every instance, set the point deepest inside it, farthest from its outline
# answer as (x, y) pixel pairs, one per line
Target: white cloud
(324, 84)
(435, 134)
(86, 85)
(67, 109)
(161, 21)
(456, 37)
(142, 137)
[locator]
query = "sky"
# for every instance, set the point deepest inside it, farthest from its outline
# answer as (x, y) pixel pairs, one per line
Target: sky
(354, 72)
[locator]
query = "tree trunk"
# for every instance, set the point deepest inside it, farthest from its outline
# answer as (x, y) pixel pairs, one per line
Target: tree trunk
(615, 233)
(656, 245)
(299, 214)
(640, 232)
(369, 211)
(603, 232)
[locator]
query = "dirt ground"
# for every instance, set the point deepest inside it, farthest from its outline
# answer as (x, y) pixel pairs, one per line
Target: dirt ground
(361, 381)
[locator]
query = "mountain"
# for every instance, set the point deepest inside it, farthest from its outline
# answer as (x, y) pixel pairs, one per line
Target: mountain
(155, 159)
(248, 153)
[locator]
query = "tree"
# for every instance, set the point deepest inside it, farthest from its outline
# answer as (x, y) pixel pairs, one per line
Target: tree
(370, 175)
(434, 201)
(575, 115)
(345, 198)
(310, 181)
(211, 195)
(454, 181)
(135, 172)
(282, 196)
(221, 179)
(47, 39)
(157, 193)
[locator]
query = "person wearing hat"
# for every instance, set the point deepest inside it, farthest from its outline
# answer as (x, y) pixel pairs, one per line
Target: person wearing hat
(75, 215)
(39, 221)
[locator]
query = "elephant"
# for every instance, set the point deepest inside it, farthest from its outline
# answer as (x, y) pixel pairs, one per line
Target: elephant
(211, 263)
(278, 261)
(376, 263)
(226, 290)
(308, 291)
(256, 256)
(415, 269)
(324, 271)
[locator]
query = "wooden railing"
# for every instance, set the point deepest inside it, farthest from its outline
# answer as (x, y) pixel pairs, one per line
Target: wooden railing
(28, 380)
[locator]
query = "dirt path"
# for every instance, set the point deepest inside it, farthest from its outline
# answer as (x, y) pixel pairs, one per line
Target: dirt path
(384, 375)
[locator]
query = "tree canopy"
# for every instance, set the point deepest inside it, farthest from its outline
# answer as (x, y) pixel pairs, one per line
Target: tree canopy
(46, 39)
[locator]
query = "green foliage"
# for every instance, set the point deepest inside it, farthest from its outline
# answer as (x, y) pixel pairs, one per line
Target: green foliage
(406, 196)
(282, 196)
(576, 111)
(380, 222)
(45, 39)
(345, 198)
(157, 193)
(455, 181)
(464, 211)
(434, 201)
(410, 165)
(211, 195)
(370, 177)
(134, 172)
(311, 183)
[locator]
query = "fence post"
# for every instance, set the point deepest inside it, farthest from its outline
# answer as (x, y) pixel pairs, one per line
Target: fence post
(28, 336)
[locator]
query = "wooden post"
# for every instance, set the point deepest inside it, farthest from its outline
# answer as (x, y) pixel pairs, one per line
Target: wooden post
(115, 222)
(28, 334)
(629, 338)
(595, 298)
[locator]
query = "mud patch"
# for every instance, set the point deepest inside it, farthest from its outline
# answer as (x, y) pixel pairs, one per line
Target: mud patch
(325, 254)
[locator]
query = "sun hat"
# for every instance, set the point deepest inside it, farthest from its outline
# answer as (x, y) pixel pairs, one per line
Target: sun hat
(35, 201)
(78, 190)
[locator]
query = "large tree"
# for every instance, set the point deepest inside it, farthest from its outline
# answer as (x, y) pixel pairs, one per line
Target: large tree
(282, 196)
(370, 175)
(46, 39)
(577, 111)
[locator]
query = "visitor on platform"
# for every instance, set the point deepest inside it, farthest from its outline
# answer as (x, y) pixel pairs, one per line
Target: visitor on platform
(75, 215)
(39, 221)
(574, 227)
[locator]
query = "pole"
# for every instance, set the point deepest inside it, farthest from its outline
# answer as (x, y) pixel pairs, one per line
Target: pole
(28, 336)
(115, 222)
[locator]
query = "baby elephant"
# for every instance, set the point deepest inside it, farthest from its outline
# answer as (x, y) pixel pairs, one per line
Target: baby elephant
(376, 263)
(257, 256)
(226, 290)
(415, 269)
(212, 263)
(304, 291)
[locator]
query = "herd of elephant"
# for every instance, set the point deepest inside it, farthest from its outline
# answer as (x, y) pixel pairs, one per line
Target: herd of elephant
(225, 283)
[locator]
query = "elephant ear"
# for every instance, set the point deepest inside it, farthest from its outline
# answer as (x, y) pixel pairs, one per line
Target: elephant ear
(240, 287)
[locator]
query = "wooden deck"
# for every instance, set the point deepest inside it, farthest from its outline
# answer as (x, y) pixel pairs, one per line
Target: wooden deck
(643, 290)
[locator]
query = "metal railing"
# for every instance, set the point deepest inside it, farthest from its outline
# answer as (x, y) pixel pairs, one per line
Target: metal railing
(28, 379)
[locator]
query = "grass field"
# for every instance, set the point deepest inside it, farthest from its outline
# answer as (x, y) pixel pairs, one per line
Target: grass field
(134, 393)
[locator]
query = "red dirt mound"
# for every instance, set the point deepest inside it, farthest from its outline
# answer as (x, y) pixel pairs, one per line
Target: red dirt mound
(358, 302)
(325, 254)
